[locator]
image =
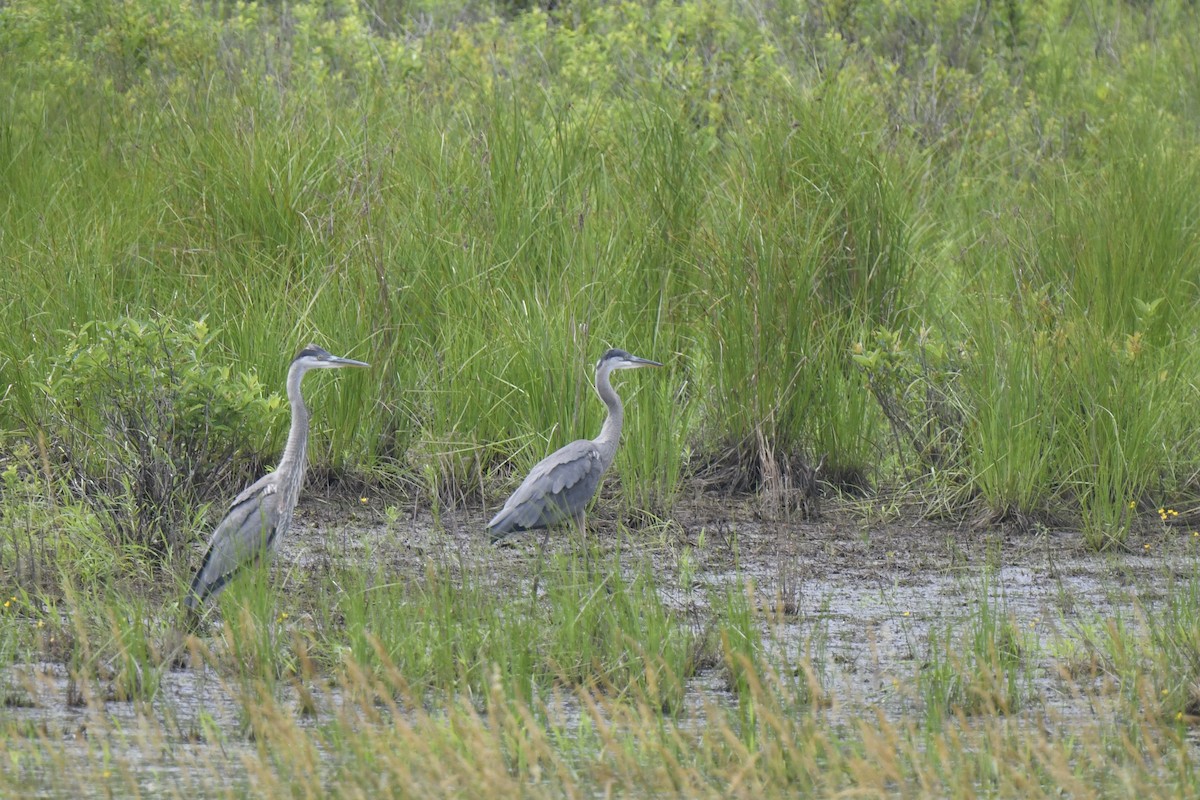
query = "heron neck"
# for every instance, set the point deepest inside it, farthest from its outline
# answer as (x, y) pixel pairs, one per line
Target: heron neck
(610, 434)
(297, 441)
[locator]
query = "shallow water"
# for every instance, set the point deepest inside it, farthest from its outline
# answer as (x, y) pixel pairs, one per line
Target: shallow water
(860, 603)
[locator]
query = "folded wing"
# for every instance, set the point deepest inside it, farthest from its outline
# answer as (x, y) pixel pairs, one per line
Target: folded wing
(245, 534)
(559, 487)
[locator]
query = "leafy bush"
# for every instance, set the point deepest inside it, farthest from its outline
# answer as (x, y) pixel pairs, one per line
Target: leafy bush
(146, 428)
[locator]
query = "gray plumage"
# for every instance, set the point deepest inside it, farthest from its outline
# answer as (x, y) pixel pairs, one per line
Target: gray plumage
(264, 509)
(562, 484)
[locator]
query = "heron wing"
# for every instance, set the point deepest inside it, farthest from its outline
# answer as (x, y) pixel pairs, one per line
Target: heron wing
(558, 487)
(242, 537)
(264, 485)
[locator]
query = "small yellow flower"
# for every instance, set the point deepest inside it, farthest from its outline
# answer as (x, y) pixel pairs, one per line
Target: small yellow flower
(1195, 533)
(906, 613)
(362, 500)
(1133, 504)
(1164, 693)
(1178, 716)
(1146, 546)
(41, 623)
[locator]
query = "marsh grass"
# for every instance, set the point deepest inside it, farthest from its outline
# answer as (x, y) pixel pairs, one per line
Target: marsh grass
(980, 668)
(812, 251)
(513, 746)
(1013, 428)
(444, 630)
(1073, 386)
(739, 636)
(448, 679)
(1149, 657)
(481, 228)
(479, 200)
(457, 631)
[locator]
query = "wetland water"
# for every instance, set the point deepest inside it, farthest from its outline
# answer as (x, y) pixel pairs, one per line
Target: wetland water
(859, 600)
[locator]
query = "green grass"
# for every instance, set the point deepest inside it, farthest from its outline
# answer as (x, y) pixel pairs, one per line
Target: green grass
(505, 745)
(981, 667)
(482, 215)
(451, 676)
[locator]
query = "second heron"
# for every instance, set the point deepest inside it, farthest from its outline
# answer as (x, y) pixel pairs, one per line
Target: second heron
(562, 484)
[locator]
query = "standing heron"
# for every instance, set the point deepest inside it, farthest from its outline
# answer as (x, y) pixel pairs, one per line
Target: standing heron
(264, 509)
(562, 484)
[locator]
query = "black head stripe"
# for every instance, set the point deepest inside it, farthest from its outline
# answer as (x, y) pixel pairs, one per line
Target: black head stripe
(312, 351)
(614, 353)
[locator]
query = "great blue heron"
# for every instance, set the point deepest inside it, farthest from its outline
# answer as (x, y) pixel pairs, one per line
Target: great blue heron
(562, 484)
(263, 510)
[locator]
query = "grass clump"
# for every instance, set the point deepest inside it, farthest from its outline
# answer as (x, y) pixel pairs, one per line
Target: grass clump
(444, 631)
(979, 670)
(615, 633)
(1150, 658)
(459, 632)
(43, 536)
(814, 249)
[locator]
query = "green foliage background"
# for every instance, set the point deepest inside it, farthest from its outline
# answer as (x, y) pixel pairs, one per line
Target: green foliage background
(851, 230)
(946, 251)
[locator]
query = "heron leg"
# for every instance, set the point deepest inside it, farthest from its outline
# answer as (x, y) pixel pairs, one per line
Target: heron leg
(537, 574)
(579, 522)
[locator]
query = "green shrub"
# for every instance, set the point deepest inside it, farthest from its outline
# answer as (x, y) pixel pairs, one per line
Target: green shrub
(145, 427)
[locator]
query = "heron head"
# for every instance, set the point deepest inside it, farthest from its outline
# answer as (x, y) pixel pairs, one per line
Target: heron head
(313, 357)
(619, 359)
